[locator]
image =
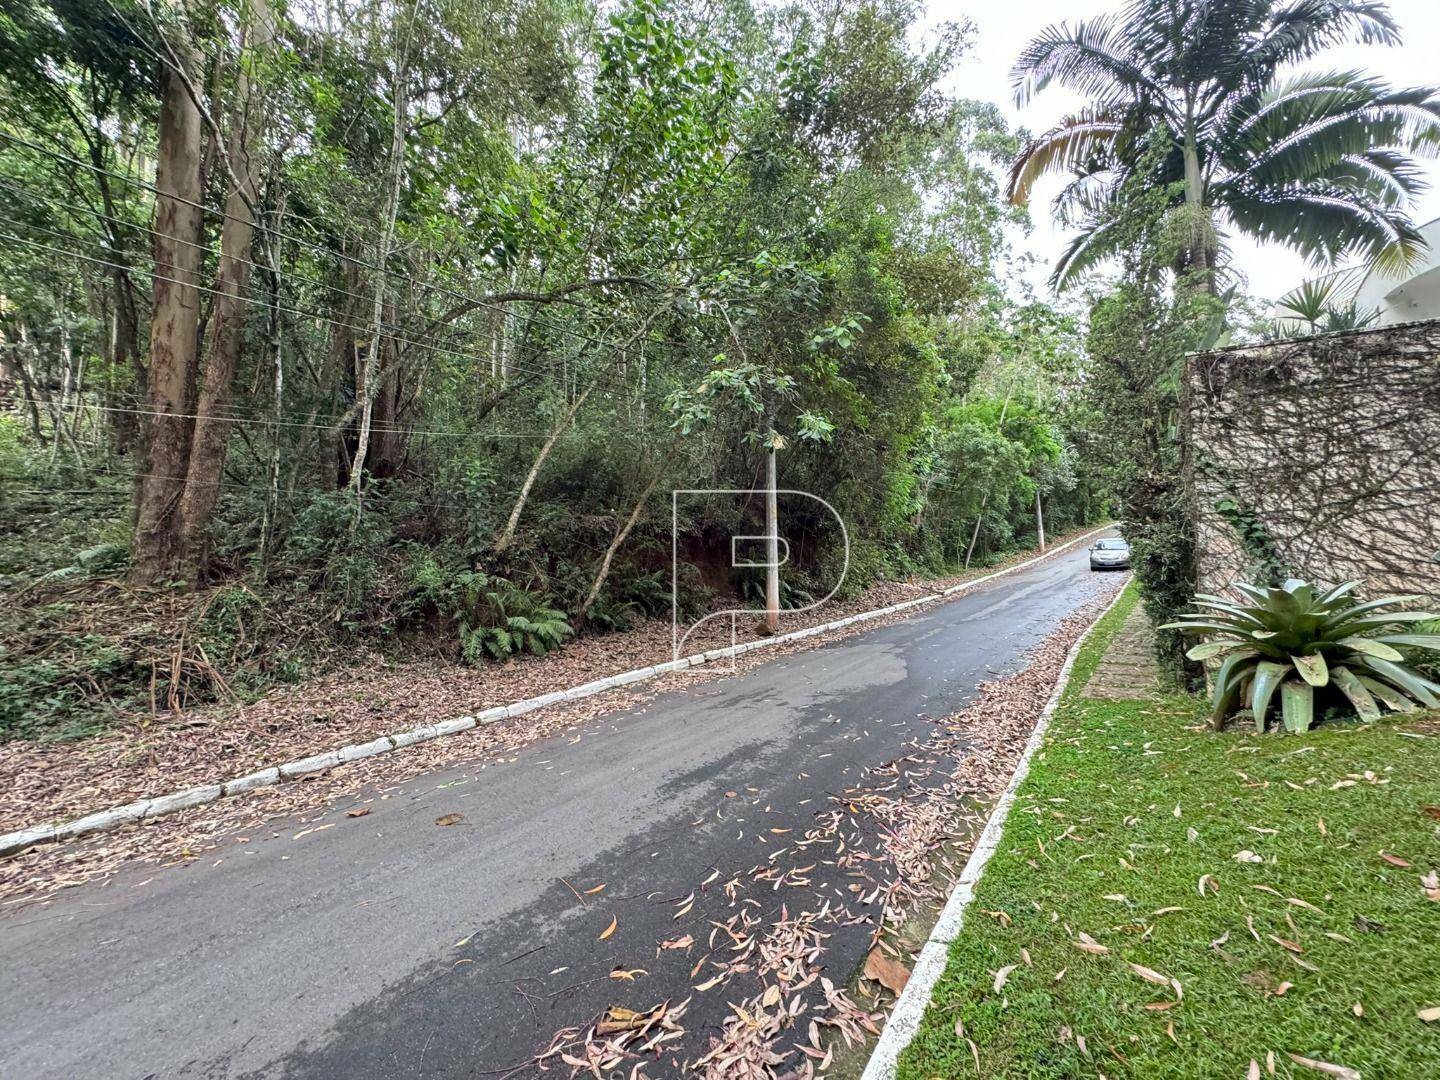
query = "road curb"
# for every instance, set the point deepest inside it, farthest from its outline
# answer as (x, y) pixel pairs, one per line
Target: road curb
(909, 1009)
(144, 810)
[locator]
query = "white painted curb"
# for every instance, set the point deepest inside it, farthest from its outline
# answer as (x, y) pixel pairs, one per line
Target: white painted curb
(149, 809)
(905, 1018)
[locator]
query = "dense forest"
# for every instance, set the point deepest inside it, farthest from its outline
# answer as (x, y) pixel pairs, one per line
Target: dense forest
(397, 321)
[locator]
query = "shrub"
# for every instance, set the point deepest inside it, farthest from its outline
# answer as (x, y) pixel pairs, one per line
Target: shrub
(509, 621)
(1325, 637)
(495, 618)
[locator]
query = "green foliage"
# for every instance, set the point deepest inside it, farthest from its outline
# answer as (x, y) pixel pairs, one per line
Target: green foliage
(15, 460)
(1319, 161)
(494, 618)
(716, 232)
(1117, 771)
(1297, 638)
(47, 697)
(749, 585)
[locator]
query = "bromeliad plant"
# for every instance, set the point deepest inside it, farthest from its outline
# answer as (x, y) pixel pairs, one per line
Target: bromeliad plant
(1325, 638)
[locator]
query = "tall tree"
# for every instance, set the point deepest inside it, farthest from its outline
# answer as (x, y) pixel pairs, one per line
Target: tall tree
(1319, 161)
(174, 320)
(227, 315)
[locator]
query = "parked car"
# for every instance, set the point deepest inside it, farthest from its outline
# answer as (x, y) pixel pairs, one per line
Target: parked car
(1111, 553)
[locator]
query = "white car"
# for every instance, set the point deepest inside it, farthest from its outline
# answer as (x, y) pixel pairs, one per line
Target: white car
(1111, 553)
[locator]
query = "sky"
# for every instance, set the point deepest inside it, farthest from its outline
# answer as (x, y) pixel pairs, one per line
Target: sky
(1003, 29)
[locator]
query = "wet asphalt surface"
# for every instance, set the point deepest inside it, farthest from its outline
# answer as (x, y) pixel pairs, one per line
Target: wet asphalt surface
(389, 947)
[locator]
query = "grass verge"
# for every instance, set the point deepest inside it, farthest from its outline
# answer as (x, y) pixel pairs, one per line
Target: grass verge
(1321, 939)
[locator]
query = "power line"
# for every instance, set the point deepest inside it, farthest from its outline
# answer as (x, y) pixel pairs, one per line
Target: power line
(261, 422)
(288, 275)
(310, 244)
(157, 276)
(236, 485)
(233, 485)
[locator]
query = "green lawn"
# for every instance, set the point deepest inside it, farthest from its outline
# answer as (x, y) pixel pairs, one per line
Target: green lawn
(1125, 810)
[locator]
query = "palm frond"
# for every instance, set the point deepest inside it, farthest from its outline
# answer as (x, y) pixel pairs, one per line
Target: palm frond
(1091, 59)
(1302, 30)
(1089, 135)
(1098, 239)
(1304, 127)
(1089, 195)
(1325, 222)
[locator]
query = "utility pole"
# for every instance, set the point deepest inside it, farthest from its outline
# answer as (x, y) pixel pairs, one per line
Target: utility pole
(1039, 519)
(772, 545)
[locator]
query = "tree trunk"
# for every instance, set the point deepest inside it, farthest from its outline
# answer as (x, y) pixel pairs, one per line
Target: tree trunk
(174, 324)
(619, 539)
(507, 535)
(277, 362)
(227, 317)
(1039, 519)
(772, 548)
(1199, 249)
(125, 359)
(368, 379)
(985, 499)
(12, 361)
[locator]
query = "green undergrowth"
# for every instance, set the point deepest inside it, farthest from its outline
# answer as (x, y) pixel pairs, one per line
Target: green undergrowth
(1130, 810)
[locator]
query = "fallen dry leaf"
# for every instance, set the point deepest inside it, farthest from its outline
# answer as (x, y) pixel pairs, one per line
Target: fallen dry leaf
(1394, 860)
(449, 819)
(1150, 975)
(357, 811)
(1340, 1071)
(1429, 1015)
(614, 922)
(1002, 975)
(1431, 884)
(1247, 856)
(889, 974)
(1090, 945)
(617, 1018)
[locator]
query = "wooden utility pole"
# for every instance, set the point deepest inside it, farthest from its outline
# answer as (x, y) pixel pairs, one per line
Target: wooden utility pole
(772, 545)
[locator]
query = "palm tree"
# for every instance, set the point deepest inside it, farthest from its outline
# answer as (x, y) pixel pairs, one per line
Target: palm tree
(1318, 161)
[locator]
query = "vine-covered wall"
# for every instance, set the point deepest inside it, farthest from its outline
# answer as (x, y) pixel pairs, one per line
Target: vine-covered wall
(1318, 457)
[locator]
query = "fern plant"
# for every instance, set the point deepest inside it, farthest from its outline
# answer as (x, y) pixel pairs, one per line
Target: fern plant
(1297, 638)
(503, 620)
(536, 633)
(496, 618)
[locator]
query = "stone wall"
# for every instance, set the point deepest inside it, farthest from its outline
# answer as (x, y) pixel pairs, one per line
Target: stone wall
(1321, 454)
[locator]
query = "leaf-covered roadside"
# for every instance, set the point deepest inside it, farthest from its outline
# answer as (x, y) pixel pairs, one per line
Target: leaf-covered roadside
(57, 781)
(1182, 904)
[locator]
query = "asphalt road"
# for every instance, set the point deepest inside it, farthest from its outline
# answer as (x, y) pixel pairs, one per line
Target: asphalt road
(390, 947)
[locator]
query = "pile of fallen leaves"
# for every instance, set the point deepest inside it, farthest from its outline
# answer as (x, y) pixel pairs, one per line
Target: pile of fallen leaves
(153, 756)
(893, 839)
(169, 746)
